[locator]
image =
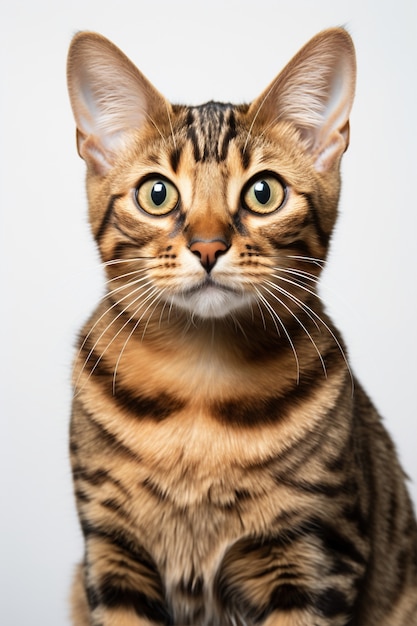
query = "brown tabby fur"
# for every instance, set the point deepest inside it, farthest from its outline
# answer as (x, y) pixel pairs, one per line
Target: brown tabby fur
(228, 469)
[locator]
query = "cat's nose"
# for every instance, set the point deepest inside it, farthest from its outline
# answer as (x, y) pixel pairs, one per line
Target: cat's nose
(208, 251)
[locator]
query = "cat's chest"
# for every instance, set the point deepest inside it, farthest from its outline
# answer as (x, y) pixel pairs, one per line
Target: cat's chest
(195, 522)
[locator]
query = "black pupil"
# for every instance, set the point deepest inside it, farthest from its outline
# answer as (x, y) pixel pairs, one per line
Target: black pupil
(159, 193)
(262, 192)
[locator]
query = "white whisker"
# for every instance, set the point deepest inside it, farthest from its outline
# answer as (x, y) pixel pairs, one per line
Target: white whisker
(299, 273)
(302, 285)
(106, 329)
(255, 117)
(296, 284)
(156, 127)
(120, 276)
(171, 127)
(294, 299)
(308, 310)
(285, 293)
(132, 283)
(320, 262)
(132, 260)
(137, 323)
(162, 313)
(170, 309)
(238, 326)
(261, 313)
(274, 315)
(156, 300)
(120, 329)
(117, 303)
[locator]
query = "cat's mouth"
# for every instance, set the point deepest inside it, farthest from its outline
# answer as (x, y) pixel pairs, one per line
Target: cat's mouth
(211, 299)
(208, 285)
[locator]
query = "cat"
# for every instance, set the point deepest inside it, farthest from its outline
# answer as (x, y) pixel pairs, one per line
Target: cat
(229, 470)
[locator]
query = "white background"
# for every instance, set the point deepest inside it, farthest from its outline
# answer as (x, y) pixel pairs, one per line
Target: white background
(50, 280)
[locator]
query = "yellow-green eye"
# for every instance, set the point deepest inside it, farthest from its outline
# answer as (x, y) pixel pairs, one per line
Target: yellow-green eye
(157, 196)
(264, 195)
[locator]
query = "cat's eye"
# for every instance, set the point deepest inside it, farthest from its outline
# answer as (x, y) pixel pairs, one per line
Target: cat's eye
(157, 196)
(264, 194)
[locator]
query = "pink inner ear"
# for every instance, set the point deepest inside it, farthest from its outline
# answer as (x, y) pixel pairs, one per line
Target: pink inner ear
(90, 149)
(332, 135)
(329, 154)
(315, 92)
(110, 98)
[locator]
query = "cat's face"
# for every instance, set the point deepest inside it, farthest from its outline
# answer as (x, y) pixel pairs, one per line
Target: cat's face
(218, 209)
(216, 220)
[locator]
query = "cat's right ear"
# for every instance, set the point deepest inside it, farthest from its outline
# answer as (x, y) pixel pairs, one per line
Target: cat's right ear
(110, 98)
(315, 93)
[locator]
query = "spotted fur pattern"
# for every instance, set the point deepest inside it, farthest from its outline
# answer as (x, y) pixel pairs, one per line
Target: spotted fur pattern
(229, 470)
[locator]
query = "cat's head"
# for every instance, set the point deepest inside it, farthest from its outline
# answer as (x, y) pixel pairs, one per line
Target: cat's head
(217, 209)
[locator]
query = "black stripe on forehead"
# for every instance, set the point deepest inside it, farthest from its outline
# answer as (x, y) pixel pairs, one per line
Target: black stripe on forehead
(210, 129)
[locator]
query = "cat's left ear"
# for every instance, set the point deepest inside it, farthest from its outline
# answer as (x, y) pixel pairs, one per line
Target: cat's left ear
(110, 99)
(315, 92)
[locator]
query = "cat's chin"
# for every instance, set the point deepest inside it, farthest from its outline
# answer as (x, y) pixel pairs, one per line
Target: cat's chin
(212, 302)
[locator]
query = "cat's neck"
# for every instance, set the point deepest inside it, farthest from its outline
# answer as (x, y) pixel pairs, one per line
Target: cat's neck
(209, 353)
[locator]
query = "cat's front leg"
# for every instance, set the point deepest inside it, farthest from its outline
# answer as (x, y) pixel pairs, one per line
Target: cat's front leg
(307, 576)
(117, 586)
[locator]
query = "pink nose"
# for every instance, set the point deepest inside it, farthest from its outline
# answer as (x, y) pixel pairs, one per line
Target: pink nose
(208, 251)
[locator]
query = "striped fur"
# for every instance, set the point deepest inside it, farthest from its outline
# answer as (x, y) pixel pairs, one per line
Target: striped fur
(228, 468)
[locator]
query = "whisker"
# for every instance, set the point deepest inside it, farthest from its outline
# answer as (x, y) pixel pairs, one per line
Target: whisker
(320, 262)
(274, 315)
(302, 285)
(188, 323)
(117, 303)
(192, 319)
(261, 313)
(311, 278)
(131, 283)
(106, 329)
(300, 273)
(162, 313)
(294, 299)
(170, 309)
(120, 329)
(157, 300)
(171, 127)
(296, 284)
(308, 309)
(283, 291)
(238, 326)
(255, 117)
(137, 323)
(252, 313)
(120, 276)
(270, 310)
(132, 260)
(156, 127)
(271, 123)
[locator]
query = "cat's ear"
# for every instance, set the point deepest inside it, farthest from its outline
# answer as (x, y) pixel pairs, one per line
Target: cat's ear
(315, 92)
(109, 98)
